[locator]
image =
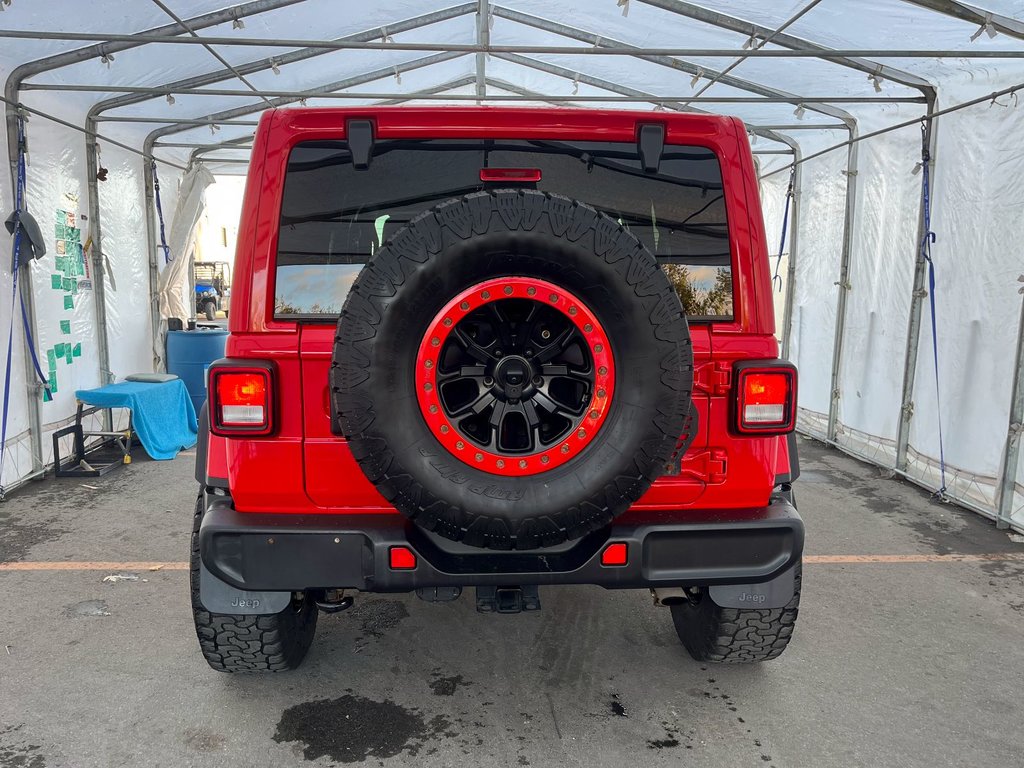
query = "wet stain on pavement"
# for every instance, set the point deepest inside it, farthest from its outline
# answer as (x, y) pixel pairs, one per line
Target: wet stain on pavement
(376, 617)
(446, 686)
(87, 608)
(616, 706)
(17, 538)
(351, 729)
(16, 752)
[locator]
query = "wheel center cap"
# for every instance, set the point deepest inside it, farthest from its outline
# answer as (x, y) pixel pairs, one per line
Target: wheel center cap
(512, 374)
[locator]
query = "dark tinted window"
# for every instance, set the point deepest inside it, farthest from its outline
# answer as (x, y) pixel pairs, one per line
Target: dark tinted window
(334, 217)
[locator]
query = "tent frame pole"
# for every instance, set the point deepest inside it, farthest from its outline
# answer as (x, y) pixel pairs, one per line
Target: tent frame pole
(787, 312)
(844, 285)
(1011, 453)
(918, 295)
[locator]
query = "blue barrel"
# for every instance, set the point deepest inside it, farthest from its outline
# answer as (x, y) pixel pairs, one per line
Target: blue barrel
(189, 354)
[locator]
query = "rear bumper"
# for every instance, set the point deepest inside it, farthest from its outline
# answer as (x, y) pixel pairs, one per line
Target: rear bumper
(271, 552)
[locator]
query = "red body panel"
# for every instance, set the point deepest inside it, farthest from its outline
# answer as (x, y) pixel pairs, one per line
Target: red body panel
(303, 468)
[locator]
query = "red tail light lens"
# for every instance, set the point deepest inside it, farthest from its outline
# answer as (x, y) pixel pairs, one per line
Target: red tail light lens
(240, 401)
(766, 399)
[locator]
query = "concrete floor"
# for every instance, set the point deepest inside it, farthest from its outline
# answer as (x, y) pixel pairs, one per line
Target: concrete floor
(893, 664)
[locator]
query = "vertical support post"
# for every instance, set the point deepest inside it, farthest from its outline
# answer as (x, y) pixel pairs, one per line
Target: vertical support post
(844, 280)
(35, 421)
(99, 282)
(794, 233)
(154, 268)
(916, 304)
(1011, 453)
(483, 37)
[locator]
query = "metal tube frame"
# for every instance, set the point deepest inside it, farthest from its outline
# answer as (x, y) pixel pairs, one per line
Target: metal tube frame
(1011, 452)
(787, 312)
(144, 38)
(918, 294)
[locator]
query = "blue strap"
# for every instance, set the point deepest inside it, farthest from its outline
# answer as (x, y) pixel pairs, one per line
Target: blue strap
(776, 280)
(926, 254)
(16, 297)
(160, 215)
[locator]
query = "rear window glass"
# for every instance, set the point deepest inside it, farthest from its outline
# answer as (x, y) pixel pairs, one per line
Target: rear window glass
(334, 217)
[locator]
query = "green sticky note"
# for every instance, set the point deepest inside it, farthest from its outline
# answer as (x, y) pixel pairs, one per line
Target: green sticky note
(78, 349)
(53, 381)
(58, 349)
(62, 263)
(68, 354)
(66, 284)
(55, 282)
(69, 302)
(51, 359)
(72, 234)
(74, 287)
(60, 230)
(65, 326)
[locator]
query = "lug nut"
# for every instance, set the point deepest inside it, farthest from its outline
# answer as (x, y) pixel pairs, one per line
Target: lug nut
(581, 434)
(433, 409)
(588, 327)
(479, 457)
(572, 310)
(553, 298)
(428, 387)
(599, 348)
(485, 295)
(429, 364)
(444, 429)
(508, 290)
(488, 381)
(448, 322)
(538, 381)
(544, 459)
(531, 291)
(594, 414)
(460, 445)
(522, 463)
(601, 393)
(603, 370)
(464, 305)
(545, 334)
(501, 463)
(565, 448)
(435, 341)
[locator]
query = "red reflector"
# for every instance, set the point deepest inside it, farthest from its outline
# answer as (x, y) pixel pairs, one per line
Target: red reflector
(510, 174)
(615, 554)
(402, 559)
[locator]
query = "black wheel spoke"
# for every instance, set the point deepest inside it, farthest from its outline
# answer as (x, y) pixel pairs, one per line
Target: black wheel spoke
(556, 345)
(502, 329)
(476, 406)
(463, 372)
(472, 349)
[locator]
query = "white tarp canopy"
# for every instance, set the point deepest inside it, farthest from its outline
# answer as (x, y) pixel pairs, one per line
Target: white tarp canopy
(183, 81)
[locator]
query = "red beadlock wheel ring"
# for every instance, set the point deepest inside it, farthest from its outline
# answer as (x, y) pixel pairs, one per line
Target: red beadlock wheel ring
(504, 381)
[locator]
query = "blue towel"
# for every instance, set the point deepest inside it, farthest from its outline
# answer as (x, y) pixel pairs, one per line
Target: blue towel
(162, 414)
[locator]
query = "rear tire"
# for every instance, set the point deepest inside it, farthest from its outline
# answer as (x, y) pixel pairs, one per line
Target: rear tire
(250, 643)
(711, 633)
(210, 309)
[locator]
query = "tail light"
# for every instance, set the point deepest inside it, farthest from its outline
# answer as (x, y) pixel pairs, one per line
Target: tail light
(765, 398)
(241, 400)
(510, 174)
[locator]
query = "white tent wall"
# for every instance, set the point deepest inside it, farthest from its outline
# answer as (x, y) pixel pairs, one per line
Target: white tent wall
(822, 201)
(125, 246)
(65, 314)
(978, 199)
(878, 300)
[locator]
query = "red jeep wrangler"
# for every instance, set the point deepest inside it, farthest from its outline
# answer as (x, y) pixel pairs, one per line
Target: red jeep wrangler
(497, 348)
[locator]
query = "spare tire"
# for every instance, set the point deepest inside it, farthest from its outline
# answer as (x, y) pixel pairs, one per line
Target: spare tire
(512, 369)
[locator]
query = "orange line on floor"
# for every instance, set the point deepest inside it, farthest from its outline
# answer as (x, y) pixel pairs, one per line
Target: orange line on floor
(92, 566)
(989, 557)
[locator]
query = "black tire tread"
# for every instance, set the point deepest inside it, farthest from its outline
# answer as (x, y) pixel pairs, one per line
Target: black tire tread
(248, 643)
(711, 633)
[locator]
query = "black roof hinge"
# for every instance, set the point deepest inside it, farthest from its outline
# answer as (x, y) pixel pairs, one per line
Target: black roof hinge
(360, 142)
(650, 142)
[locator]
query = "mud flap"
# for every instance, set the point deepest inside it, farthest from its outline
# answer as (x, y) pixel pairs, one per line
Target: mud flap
(220, 597)
(768, 594)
